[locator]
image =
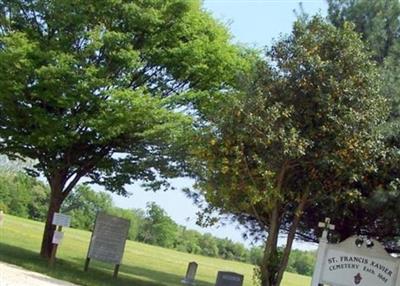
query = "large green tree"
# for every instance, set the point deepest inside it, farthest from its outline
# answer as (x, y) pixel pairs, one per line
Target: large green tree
(378, 23)
(22, 195)
(158, 228)
(375, 211)
(304, 128)
(87, 88)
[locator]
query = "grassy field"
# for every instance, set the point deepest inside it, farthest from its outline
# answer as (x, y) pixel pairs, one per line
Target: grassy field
(143, 265)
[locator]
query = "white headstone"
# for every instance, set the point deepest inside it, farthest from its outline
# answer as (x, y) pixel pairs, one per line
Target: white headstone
(190, 274)
(60, 219)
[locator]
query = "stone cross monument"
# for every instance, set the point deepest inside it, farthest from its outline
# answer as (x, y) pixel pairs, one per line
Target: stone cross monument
(323, 242)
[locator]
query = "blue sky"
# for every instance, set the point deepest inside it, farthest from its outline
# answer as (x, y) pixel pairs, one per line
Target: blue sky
(259, 22)
(255, 23)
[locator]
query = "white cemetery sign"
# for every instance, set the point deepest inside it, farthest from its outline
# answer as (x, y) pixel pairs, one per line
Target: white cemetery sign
(355, 262)
(108, 240)
(57, 237)
(60, 219)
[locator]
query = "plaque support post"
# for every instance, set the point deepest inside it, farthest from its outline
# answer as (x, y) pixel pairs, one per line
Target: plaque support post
(116, 269)
(86, 264)
(322, 247)
(54, 250)
(398, 274)
(108, 240)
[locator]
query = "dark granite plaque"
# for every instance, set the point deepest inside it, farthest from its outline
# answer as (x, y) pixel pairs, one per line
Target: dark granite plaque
(229, 279)
(108, 238)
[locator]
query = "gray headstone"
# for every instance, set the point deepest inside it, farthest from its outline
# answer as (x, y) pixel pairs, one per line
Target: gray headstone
(229, 279)
(108, 239)
(1, 218)
(190, 273)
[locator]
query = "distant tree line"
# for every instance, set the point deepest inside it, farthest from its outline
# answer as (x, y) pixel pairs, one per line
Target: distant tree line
(24, 196)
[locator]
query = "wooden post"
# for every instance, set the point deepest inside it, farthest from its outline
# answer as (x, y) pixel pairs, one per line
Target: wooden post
(116, 269)
(54, 250)
(1, 218)
(322, 247)
(86, 264)
(398, 275)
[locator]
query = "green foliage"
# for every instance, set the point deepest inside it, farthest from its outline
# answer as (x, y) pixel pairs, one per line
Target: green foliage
(83, 205)
(301, 262)
(187, 240)
(310, 115)
(255, 255)
(304, 127)
(228, 249)
(136, 217)
(88, 80)
(89, 88)
(158, 228)
(208, 245)
(377, 21)
(22, 195)
(372, 209)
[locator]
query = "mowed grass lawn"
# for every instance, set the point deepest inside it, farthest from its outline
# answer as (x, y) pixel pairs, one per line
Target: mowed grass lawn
(142, 265)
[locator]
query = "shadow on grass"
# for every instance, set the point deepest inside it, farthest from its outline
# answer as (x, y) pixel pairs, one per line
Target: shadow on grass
(71, 271)
(136, 271)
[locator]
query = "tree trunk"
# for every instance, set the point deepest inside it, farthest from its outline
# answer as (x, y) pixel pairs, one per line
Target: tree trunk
(269, 264)
(56, 199)
(60, 188)
(290, 238)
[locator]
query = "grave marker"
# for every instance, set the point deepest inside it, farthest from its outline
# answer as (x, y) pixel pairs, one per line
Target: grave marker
(190, 273)
(108, 239)
(1, 218)
(225, 278)
(355, 262)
